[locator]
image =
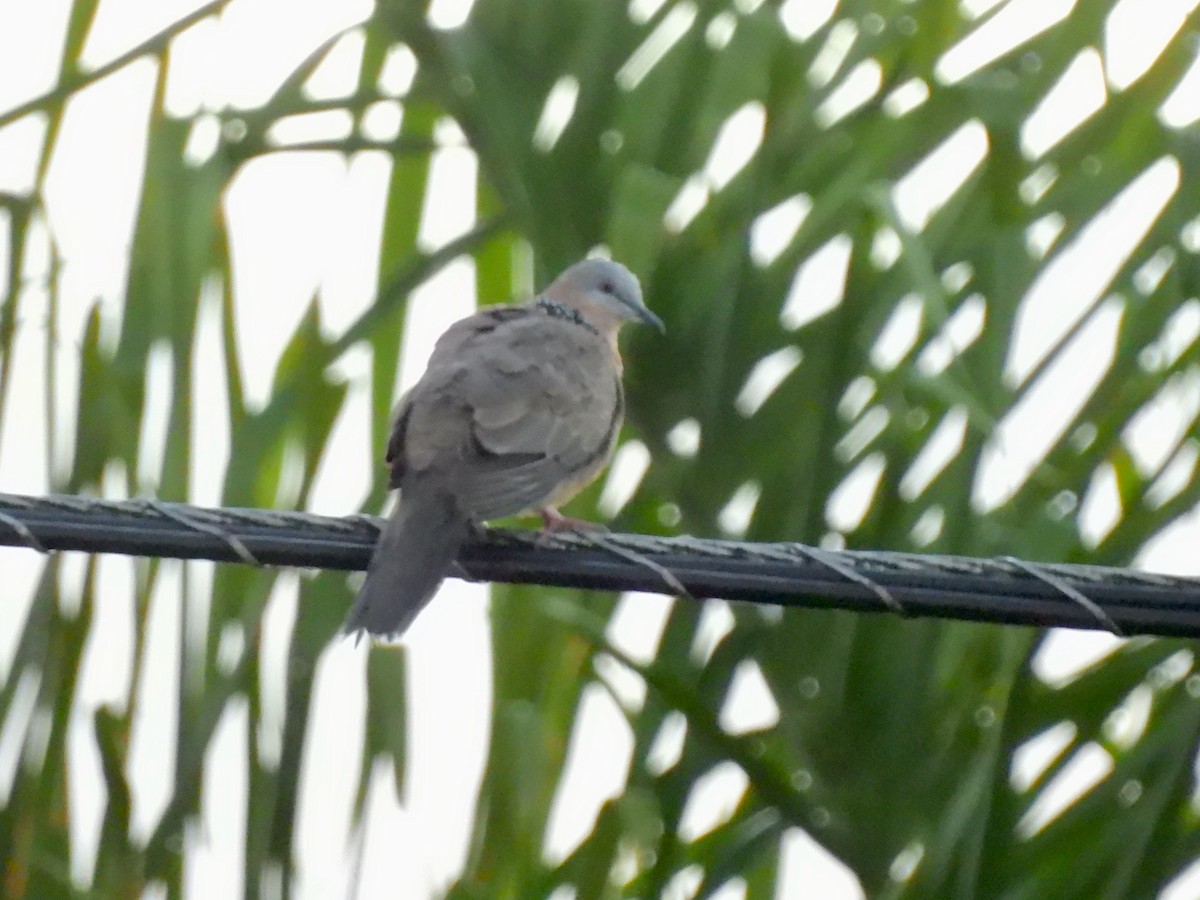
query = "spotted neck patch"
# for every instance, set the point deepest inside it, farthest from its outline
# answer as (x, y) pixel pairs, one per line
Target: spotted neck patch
(559, 311)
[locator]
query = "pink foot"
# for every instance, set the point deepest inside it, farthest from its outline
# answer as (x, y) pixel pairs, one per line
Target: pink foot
(553, 520)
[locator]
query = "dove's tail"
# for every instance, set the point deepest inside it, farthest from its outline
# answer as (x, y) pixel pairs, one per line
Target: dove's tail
(414, 550)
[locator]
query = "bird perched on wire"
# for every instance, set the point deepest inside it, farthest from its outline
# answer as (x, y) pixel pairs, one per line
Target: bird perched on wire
(517, 411)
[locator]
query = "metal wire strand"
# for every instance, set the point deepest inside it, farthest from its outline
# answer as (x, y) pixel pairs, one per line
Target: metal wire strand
(24, 536)
(826, 558)
(183, 518)
(993, 590)
(1078, 596)
(674, 585)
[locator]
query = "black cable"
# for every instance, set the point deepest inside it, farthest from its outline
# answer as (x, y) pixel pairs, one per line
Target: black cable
(992, 590)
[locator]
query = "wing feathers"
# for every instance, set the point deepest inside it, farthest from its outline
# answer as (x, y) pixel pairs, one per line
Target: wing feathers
(514, 405)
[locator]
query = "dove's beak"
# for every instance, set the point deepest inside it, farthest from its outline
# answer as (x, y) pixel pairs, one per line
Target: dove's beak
(648, 318)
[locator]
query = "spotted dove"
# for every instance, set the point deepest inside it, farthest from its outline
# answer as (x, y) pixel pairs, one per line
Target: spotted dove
(517, 411)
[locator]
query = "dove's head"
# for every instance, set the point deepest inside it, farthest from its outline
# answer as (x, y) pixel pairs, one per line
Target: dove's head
(605, 293)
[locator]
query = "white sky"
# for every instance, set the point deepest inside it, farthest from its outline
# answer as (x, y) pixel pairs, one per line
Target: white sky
(290, 240)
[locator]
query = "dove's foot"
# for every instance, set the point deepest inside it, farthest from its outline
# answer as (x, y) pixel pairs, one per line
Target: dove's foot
(553, 520)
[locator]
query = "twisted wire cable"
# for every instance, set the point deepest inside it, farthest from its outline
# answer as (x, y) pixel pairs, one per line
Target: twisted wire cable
(1004, 590)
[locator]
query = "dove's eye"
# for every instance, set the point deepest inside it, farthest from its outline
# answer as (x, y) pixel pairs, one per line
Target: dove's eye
(607, 287)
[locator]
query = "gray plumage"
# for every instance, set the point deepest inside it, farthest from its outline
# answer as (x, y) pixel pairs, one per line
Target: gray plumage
(517, 411)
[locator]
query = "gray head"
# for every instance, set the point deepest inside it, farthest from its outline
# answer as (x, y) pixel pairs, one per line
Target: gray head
(601, 287)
